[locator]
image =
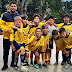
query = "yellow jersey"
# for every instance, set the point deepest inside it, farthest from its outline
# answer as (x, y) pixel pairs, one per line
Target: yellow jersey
(60, 44)
(15, 36)
(35, 44)
(46, 42)
(68, 40)
(68, 27)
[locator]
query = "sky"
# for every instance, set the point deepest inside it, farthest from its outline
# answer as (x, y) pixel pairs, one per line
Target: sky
(67, 0)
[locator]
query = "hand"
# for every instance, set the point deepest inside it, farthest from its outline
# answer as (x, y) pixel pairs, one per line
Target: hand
(35, 39)
(12, 26)
(19, 31)
(13, 48)
(55, 25)
(9, 31)
(36, 53)
(45, 50)
(30, 23)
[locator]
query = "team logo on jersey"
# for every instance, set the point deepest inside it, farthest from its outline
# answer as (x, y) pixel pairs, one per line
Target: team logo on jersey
(69, 40)
(67, 27)
(45, 38)
(25, 29)
(38, 42)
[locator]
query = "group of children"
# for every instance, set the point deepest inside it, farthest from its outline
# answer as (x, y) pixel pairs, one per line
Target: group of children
(37, 38)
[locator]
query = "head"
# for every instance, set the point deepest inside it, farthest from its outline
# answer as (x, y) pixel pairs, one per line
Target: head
(24, 18)
(55, 34)
(17, 21)
(36, 18)
(45, 29)
(63, 32)
(51, 20)
(66, 18)
(12, 7)
(38, 32)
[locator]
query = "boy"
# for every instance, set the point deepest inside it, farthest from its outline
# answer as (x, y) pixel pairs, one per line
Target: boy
(15, 39)
(60, 45)
(34, 44)
(68, 27)
(51, 27)
(67, 38)
(43, 49)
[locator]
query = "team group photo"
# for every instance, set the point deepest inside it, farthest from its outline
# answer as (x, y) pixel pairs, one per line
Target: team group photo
(36, 36)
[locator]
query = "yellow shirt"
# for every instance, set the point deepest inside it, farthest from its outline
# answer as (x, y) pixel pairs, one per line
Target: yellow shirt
(35, 44)
(68, 40)
(16, 36)
(60, 44)
(25, 33)
(46, 41)
(68, 27)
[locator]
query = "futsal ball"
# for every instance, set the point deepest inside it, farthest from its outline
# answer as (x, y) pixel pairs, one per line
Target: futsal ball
(24, 69)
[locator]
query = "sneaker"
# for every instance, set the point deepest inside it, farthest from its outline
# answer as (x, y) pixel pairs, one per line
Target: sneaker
(62, 63)
(16, 68)
(66, 65)
(23, 64)
(4, 67)
(39, 65)
(44, 65)
(56, 63)
(35, 66)
(71, 66)
(31, 65)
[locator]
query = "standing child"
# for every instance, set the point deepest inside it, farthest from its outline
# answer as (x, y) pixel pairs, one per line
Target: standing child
(44, 48)
(51, 27)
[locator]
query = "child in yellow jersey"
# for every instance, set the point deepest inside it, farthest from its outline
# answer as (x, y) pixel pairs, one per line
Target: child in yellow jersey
(60, 45)
(43, 49)
(34, 44)
(15, 39)
(67, 38)
(26, 28)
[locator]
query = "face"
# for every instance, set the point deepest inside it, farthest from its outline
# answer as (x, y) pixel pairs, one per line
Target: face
(63, 34)
(17, 23)
(13, 8)
(24, 21)
(36, 20)
(66, 19)
(55, 36)
(45, 30)
(38, 33)
(51, 21)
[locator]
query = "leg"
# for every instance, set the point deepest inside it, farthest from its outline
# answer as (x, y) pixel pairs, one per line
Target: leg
(6, 47)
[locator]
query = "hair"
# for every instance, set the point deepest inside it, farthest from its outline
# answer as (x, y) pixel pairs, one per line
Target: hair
(24, 16)
(12, 2)
(61, 30)
(43, 26)
(66, 15)
(36, 15)
(17, 18)
(38, 28)
(54, 32)
(51, 17)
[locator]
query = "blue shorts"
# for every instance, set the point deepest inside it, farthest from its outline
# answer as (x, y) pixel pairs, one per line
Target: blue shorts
(68, 49)
(17, 46)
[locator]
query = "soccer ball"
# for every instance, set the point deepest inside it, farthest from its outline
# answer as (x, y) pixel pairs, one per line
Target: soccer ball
(24, 69)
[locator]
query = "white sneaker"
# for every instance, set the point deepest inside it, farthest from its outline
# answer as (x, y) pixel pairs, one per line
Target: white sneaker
(23, 64)
(16, 68)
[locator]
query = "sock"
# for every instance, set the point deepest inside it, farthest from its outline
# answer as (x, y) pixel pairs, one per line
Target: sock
(15, 61)
(57, 56)
(22, 58)
(43, 58)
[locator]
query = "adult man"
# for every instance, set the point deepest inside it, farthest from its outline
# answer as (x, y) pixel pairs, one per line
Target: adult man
(7, 19)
